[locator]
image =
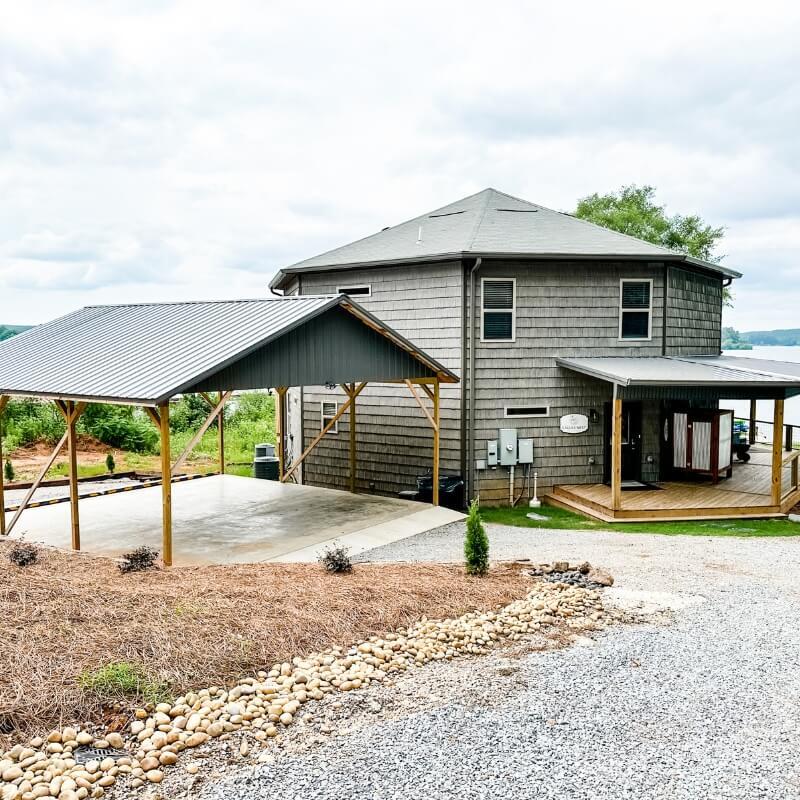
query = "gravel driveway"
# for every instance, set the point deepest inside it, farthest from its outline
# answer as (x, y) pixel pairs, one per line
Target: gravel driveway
(702, 704)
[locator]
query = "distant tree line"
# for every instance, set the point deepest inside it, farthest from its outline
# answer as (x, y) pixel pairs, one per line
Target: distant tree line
(734, 340)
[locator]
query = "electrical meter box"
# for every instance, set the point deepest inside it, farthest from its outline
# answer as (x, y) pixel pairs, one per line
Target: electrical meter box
(507, 444)
(525, 450)
(491, 453)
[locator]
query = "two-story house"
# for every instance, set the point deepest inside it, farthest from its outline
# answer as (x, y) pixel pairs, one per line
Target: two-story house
(576, 337)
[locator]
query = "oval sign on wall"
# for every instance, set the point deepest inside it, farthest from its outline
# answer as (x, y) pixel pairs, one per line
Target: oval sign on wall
(574, 423)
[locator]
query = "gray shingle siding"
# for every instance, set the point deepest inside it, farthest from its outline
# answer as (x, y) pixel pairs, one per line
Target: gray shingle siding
(694, 318)
(566, 308)
(395, 441)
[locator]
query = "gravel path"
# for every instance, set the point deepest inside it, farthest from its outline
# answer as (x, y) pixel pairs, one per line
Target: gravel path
(702, 706)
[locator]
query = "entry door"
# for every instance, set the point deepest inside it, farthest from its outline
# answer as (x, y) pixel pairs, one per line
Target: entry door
(631, 441)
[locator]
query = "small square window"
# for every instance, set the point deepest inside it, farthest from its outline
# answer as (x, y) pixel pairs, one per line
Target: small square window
(635, 310)
(498, 309)
(328, 410)
(355, 291)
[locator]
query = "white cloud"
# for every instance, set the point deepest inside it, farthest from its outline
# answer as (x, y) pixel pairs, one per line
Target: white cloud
(161, 151)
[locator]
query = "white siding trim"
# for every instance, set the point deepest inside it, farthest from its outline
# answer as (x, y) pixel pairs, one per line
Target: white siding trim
(512, 310)
(649, 309)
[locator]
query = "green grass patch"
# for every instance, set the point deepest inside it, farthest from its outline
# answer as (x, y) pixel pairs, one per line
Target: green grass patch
(559, 518)
(124, 680)
(84, 470)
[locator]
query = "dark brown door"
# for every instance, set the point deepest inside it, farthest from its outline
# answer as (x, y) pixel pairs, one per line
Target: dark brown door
(631, 441)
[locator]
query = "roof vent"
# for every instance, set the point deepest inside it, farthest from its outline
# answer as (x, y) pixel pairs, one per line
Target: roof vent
(519, 210)
(446, 214)
(386, 228)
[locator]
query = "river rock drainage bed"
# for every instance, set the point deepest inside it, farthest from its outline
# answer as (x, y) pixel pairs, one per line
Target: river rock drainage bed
(263, 707)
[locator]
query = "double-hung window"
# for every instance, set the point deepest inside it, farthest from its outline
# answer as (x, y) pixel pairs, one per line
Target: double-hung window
(498, 309)
(635, 310)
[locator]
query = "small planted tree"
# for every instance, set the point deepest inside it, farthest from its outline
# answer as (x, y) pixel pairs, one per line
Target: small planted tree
(8, 470)
(110, 463)
(476, 543)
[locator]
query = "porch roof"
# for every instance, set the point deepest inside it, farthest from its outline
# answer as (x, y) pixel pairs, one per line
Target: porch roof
(724, 372)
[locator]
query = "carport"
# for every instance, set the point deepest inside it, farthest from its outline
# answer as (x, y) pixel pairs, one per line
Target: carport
(146, 354)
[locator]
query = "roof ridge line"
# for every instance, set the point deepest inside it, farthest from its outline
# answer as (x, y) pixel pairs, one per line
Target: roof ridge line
(211, 302)
(481, 217)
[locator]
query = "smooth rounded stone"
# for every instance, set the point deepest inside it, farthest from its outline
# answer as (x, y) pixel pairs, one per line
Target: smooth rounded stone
(196, 739)
(11, 774)
(168, 758)
(149, 763)
(154, 775)
(193, 768)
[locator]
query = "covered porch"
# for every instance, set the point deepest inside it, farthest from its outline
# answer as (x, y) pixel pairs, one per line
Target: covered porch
(700, 469)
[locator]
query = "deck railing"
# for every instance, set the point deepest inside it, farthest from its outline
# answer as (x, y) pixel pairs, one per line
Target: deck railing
(763, 432)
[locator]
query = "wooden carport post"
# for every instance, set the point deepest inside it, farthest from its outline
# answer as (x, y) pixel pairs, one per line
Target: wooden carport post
(161, 419)
(280, 429)
(166, 486)
(616, 452)
(435, 422)
(777, 452)
(3, 404)
(350, 389)
(751, 428)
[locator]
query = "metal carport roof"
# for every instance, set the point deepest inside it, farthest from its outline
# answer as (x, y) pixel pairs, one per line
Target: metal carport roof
(146, 353)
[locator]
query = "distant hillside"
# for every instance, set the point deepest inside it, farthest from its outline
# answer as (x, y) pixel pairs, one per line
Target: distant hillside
(788, 337)
(7, 331)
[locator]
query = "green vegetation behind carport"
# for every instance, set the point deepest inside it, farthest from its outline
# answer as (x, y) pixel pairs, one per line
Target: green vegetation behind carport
(559, 518)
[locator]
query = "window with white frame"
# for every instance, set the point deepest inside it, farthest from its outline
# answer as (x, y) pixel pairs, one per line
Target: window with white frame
(355, 291)
(498, 309)
(328, 410)
(635, 310)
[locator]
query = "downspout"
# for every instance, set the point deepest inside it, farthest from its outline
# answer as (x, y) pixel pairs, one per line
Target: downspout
(471, 388)
(726, 282)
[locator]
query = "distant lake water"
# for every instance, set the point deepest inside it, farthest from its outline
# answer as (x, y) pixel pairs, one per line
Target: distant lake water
(742, 407)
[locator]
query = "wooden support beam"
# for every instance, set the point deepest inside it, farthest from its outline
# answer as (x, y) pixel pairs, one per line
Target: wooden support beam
(72, 445)
(216, 411)
(777, 452)
(77, 411)
(166, 487)
(352, 414)
(616, 453)
(428, 391)
(417, 397)
(318, 438)
(280, 429)
(436, 442)
(751, 429)
(221, 431)
(3, 404)
(154, 415)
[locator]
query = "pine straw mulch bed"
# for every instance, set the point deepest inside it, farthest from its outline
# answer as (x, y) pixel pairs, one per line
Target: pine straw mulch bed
(192, 627)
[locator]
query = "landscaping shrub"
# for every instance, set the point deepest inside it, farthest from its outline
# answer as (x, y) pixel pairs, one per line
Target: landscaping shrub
(111, 465)
(139, 560)
(123, 680)
(476, 543)
(189, 413)
(8, 470)
(28, 421)
(121, 426)
(23, 555)
(336, 558)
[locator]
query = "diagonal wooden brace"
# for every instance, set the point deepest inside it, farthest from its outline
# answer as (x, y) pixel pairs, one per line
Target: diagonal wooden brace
(217, 410)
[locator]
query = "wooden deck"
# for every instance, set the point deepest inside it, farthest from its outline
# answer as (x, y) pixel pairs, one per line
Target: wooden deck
(747, 494)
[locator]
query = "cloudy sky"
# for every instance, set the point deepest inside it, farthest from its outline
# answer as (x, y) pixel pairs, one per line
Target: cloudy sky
(164, 151)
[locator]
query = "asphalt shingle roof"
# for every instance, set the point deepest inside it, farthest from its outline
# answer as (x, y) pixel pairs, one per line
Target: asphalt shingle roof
(490, 223)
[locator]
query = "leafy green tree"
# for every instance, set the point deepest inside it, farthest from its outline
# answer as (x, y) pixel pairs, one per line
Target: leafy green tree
(6, 333)
(476, 543)
(633, 210)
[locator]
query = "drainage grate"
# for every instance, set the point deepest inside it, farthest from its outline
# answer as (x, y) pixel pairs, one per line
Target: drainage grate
(84, 754)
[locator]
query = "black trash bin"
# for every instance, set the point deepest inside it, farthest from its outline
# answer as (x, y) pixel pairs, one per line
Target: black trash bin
(451, 490)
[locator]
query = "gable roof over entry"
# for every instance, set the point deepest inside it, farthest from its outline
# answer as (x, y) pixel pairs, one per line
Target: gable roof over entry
(145, 354)
(491, 223)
